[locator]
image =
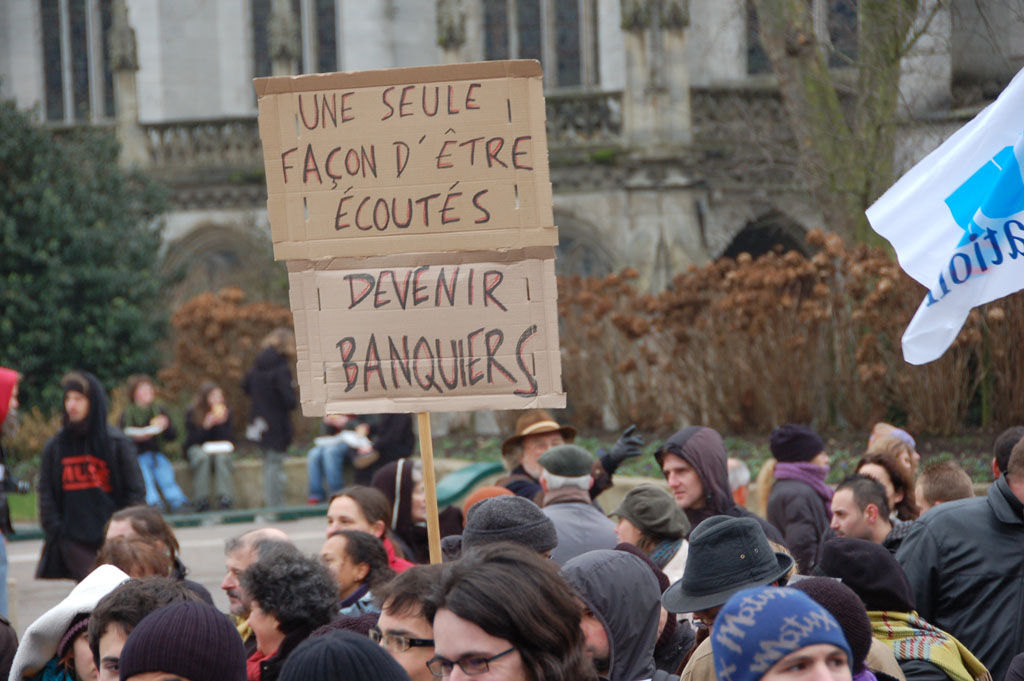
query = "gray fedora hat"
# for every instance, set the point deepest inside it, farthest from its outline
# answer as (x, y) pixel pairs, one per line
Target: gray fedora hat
(726, 555)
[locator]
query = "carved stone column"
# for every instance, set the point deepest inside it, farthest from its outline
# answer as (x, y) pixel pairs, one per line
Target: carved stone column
(656, 104)
(451, 30)
(283, 39)
(124, 62)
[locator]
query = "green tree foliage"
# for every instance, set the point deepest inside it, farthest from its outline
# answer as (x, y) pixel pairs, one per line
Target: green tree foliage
(79, 257)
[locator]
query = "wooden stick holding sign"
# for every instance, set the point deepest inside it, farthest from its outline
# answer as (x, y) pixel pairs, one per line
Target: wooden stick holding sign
(429, 487)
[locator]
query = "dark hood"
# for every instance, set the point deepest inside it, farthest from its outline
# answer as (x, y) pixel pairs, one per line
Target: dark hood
(395, 481)
(702, 448)
(624, 595)
(269, 358)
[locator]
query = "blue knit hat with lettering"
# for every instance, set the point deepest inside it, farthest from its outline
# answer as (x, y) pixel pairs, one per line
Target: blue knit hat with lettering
(758, 627)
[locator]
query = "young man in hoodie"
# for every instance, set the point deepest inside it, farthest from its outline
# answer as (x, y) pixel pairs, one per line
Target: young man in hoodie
(693, 462)
(270, 386)
(8, 483)
(88, 471)
(621, 602)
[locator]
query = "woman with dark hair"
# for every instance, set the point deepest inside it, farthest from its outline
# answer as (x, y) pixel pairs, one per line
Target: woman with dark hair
(209, 440)
(886, 468)
(291, 596)
(401, 482)
(367, 510)
(487, 619)
(359, 565)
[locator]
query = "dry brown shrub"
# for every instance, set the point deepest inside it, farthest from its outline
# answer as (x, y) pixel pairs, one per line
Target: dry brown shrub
(747, 344)
(217, 337)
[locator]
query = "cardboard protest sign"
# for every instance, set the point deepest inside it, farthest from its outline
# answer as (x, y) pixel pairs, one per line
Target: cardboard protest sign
(956, 222)
(414, 209)
(443, 333)
(431, 159)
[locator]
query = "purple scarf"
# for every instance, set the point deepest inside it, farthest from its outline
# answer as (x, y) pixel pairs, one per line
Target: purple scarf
(865, 674)
(810, 474)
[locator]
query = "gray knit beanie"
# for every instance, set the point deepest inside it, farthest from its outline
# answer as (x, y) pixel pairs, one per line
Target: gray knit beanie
(508, 519)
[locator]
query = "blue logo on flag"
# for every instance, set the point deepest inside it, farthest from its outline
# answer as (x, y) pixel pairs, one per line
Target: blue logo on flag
(996, 189)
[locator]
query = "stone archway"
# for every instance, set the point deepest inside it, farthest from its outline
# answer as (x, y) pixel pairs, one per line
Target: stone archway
(580, 249)
(212, 256)
(767, 232)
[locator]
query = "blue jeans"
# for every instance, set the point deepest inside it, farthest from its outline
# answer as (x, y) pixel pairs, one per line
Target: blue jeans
(326, 462)
(157, 473)
(3, 576)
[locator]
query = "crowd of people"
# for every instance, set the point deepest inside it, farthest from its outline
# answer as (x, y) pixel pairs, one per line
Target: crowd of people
(894, 574)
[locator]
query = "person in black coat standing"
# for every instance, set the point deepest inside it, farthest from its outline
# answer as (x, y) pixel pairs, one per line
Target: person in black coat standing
(271, 388)
(88, 471)
(797, 499)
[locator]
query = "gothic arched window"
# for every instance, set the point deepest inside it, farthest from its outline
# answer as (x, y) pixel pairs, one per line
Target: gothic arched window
(835, 23)
(561, 34)
(318, 35)
(78, 83)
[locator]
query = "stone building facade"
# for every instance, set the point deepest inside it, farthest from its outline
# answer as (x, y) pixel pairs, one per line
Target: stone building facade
(668, 143)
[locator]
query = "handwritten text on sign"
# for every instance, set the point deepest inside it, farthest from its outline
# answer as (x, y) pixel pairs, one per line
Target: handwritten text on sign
(435, 331)
(458, 164)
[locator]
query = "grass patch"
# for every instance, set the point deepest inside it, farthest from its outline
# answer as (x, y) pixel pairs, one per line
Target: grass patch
(23, 507)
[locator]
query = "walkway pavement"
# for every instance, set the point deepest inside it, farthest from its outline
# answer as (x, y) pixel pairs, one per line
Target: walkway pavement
(202, 550)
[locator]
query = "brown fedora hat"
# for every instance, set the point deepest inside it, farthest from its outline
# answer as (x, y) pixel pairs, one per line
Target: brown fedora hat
(536, 422)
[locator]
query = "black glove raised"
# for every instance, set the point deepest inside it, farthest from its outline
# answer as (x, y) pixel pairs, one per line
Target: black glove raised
(629, 444)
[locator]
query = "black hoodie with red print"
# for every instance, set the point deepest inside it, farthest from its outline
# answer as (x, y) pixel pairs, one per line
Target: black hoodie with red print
(88, 471)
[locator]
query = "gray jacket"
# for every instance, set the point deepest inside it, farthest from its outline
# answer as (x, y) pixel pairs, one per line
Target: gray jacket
(624, 595)
(580, 526)
(965, 563)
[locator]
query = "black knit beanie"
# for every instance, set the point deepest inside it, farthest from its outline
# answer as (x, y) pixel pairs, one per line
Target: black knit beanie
(341, 655)
(508, 519)
(794, 443)
(870, 570)
(845, 606)
(189, 639)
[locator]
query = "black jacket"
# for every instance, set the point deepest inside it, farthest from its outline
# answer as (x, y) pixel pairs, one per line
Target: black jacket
(269, 384)
(195, 434)
(270, 668)
(8, 483)
(965, 563)
(799, 513)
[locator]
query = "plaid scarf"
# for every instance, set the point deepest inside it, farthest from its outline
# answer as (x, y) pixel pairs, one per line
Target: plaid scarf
(911, 638)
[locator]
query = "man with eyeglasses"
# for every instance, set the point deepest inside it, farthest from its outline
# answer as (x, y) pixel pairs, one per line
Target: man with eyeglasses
(405, 628)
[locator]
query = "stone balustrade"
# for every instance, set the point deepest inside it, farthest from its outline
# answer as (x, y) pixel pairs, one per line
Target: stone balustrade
(223, 144)
(584, 119)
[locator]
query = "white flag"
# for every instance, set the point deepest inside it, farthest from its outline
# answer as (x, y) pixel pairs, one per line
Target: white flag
(956, 221)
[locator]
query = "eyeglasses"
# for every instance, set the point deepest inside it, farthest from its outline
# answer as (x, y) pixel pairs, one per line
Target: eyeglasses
(397, 642)
(470, 664)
